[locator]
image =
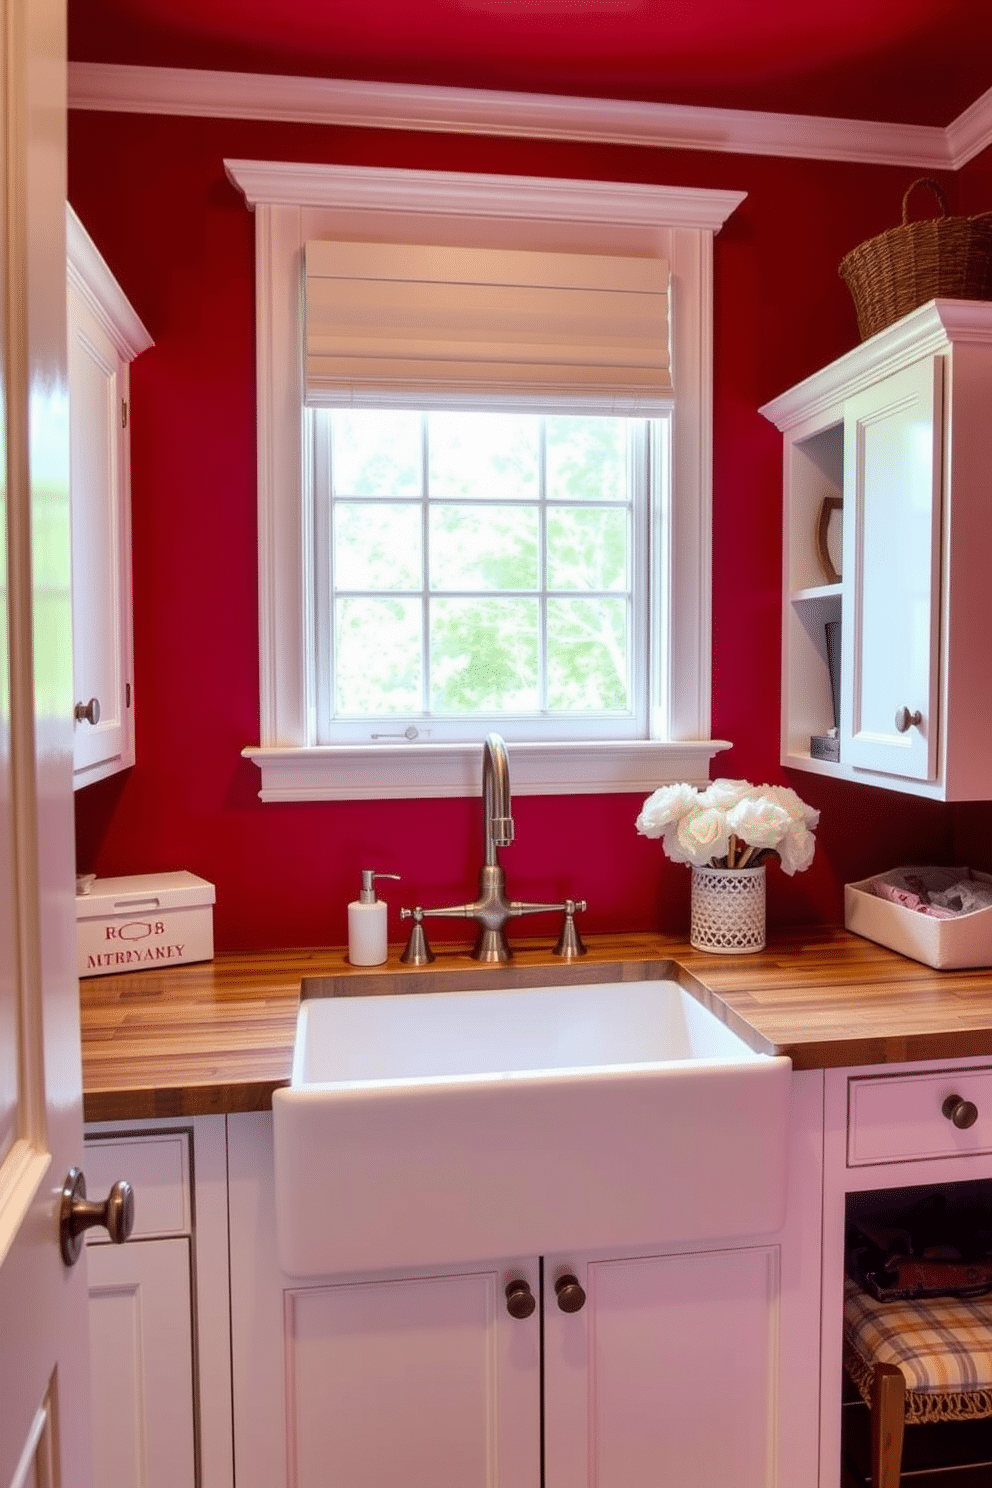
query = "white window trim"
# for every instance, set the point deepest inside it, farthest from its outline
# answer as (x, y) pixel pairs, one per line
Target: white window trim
(294, 202)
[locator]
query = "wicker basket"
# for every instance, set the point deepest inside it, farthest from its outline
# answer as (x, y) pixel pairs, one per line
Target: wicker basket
(727, 910)
(941, 257)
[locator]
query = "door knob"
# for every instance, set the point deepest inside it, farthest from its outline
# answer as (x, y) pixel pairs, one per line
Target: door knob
(520, 1301)
(77, 1213)
(963, 1113)
(571, 1297)
(87, 712)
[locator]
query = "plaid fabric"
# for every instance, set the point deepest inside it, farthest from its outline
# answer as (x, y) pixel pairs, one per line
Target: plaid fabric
(943, 1345)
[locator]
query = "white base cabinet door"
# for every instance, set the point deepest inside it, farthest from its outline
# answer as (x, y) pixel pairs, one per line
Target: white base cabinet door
(668, 1373)
(409, 1380)
(159, 1308)
(141, 1344)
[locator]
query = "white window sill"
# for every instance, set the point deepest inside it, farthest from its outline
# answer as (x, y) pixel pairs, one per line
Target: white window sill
(343, 772)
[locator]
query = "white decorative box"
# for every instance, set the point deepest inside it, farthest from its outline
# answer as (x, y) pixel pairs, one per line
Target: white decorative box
(965, 940)
(146, 920)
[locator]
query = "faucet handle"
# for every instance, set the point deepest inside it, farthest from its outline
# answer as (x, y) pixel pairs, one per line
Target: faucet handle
(417, 952)
(570, 941)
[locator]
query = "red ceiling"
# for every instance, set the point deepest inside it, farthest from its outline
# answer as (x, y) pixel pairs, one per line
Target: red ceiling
(908, 61)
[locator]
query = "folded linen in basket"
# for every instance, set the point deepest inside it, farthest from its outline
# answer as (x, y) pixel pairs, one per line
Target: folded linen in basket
(941, 893)
(964, 897)
(909, 900)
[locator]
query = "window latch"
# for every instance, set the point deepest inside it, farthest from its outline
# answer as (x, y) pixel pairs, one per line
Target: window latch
(410, 732)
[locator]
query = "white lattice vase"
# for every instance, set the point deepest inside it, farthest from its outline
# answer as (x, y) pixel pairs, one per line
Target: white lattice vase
(728, 909)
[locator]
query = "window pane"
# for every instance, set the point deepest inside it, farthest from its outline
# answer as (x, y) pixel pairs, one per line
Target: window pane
(484, 455)
(483, 655)
(587, 459)
(588, 547)
(377, 656)
(377, 547)
(376, 452)
(587, 655)
(484, 547)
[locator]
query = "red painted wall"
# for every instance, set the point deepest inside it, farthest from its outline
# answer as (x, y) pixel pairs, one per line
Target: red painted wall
(153, 194)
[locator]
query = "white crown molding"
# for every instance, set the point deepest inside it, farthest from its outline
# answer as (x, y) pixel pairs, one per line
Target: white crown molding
(461, 193)
(971, 132)
(923, 332)
(240, 95)
(87, 270)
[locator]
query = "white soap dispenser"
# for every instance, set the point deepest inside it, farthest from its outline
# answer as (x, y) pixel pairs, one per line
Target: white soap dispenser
(367, 940)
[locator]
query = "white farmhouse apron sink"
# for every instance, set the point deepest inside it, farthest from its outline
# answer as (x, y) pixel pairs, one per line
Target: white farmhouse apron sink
(439, 1127)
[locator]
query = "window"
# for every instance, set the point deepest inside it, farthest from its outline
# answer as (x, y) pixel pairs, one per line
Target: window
(654, 725)
(481, 571)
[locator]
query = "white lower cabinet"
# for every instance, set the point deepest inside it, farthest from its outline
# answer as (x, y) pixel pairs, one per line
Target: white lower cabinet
(676, 1366)
(141, 1345)
(159, 1311)
(891, 1128)
(667, 1374)
(417, 1378)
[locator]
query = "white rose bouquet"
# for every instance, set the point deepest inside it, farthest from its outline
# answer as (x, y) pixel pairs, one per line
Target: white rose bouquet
(731, 824)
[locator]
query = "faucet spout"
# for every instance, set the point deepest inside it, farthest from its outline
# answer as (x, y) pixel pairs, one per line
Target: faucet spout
(496, 798)
(491, 910)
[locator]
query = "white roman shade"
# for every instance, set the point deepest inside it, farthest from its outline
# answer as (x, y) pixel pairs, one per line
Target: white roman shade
(439, 327)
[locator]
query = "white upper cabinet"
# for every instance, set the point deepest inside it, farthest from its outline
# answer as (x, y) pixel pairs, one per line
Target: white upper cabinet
(892, 486)
(104, 337)
(887, 531)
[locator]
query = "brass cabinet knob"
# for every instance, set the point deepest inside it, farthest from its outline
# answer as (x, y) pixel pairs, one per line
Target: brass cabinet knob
(87, 712)
(520, 1301)
(78, 1214)
(569, 1293)
(963, 1113)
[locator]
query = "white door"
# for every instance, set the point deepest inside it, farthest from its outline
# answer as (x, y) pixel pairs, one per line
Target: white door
(44, 1396)
(891, 633)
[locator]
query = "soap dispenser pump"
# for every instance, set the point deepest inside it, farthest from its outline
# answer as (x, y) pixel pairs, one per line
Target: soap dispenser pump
(367, 940)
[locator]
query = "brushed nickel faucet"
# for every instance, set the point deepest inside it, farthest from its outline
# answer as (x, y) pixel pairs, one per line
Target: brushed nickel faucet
(492, 909)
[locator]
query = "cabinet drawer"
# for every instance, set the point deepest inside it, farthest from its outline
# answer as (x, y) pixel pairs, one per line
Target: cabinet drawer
(157, 1167)
(899, 1118)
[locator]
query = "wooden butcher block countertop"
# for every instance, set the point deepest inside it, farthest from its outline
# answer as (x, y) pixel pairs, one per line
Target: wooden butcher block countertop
(217, 1036)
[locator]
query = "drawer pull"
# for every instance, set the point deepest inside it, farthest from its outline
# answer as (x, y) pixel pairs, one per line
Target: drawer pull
(962, 1113)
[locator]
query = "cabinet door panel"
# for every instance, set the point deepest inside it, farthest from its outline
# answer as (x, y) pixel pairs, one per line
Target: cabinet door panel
(100, 543)
(422, 1380)
(667, 1375)
(141, 1342)
(891, 629)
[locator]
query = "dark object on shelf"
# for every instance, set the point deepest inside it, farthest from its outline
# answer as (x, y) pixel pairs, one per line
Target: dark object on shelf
(824, 746)
(832, 629)
(940, 257)
(928, 1250)
(828, 506)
